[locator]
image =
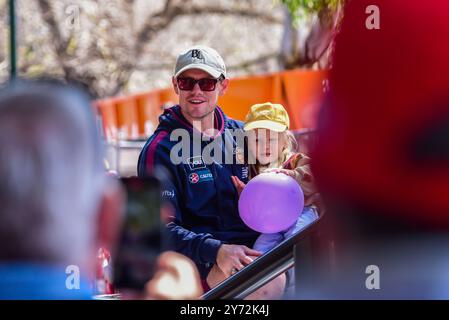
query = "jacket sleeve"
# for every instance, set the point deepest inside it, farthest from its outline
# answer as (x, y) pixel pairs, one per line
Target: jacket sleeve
(303, 175)
(202, 248)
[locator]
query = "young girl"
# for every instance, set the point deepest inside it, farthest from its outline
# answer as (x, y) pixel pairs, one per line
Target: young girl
(273, 149)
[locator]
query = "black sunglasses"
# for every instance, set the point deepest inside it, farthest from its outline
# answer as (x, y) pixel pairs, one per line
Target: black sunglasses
(205, 84)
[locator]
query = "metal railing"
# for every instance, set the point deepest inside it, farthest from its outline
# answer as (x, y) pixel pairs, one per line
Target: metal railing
(264, 269)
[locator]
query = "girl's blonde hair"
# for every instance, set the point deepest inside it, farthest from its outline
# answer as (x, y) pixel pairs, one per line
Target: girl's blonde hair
(291, 145)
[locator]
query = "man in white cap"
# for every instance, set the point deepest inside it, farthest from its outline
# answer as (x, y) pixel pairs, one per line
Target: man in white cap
(207, 226)
(202, 65)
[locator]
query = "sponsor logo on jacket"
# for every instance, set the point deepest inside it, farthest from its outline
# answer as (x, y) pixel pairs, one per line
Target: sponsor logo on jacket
(196, 163)
(201, 176)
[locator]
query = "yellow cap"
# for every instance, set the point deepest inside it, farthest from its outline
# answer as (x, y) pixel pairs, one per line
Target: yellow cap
(267, 116)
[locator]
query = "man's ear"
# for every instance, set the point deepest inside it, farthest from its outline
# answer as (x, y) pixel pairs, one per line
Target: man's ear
(110, 214)
(223, 87)
(175, 85)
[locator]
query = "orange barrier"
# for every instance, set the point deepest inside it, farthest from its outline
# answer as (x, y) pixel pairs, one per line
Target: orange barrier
(108, 113)
(168, 96)
(149, 107)
(127, 118)
(244, 92)
(303, 93)
(300, 91)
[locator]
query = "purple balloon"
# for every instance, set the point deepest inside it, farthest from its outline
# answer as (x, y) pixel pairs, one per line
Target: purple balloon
(271, 202)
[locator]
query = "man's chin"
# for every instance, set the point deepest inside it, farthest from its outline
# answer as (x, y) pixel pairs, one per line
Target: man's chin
(199, 114)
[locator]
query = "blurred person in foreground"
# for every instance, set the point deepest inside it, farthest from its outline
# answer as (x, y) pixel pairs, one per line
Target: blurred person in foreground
(382, 157)
(57, 204)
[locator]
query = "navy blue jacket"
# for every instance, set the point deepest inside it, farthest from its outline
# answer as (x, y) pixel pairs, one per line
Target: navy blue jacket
(201, 190)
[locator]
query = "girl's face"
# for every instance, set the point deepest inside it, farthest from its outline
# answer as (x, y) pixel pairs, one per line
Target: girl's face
(266, 145)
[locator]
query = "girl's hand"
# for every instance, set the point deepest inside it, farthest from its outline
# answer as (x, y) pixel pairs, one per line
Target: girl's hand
(290, 173)
(238, 184)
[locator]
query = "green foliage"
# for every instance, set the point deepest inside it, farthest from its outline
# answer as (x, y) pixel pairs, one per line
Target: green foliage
(298, 8)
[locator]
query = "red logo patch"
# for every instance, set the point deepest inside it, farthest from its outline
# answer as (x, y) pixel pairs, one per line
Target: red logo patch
(194, 178)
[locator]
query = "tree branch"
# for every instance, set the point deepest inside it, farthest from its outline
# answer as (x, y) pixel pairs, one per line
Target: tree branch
(154, 24)
(242, 65)
(58, 42)
(256, 61)
(242, 12)
(49, 18)
(164, 18)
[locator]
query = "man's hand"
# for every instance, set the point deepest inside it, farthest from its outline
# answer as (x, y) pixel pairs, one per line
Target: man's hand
(176, 278)
(231, 258)
(238, 184)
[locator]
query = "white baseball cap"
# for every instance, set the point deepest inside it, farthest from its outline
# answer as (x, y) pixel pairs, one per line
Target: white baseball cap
(203, 58)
